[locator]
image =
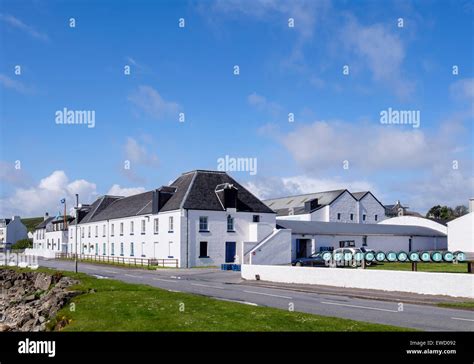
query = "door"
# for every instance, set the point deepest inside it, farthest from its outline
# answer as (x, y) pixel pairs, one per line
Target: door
(230, 251)
(301, 248)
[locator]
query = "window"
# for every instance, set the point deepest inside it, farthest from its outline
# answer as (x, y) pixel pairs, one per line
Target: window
(121, 249)
(103, 248)
(132, 253)
(363, 217)
(96, 231)
(169, 249)
(352, 217)
(256, 218)
(112, 249)
(143, 227)
(170, 223)
(89, 232)
(203, 223)
(364, 241)
(103, 230)
(131, 227)
(112, 230)
(156, 226)
(82, 232)
(376, 217)
(143, 250)
(96, 248)
(203, 249)
(121, 228)
(230, 223)
(339, 216)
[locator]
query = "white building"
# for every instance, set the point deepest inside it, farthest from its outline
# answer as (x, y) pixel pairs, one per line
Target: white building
(11, 230)
(203, 218)
(461, 232)
(330, 206)
(309, 237)
(416, 221)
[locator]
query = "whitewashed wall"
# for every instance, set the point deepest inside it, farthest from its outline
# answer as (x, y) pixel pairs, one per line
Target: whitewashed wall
(449, 284)
(416, 221)
(370, 207)
(345, 205)
(461, 234)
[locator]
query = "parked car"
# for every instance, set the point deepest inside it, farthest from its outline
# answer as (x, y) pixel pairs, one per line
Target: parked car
(313, 260)
(353, 251)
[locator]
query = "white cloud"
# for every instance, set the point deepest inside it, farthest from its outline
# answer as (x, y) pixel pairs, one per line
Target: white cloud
(46, 196)
(116, 190)
(18, 24)
(463, 90)
(149, 101)
(137, 153)
(382, 50)
(16, 85)
(325, 145)
(262, 104)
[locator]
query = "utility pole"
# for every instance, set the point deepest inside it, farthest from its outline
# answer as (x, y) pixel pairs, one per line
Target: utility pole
(77, 220)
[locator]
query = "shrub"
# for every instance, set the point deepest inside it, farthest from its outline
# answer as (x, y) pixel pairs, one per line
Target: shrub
(22, 244)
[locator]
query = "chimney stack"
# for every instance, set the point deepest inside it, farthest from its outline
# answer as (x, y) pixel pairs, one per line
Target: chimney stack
(471, 204)
(45, 217)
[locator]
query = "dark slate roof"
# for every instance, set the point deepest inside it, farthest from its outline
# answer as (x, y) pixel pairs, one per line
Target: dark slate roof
(194, 190)
(359, 195)
(59, 219)
(341, 228)
(202, 196)
(43, 224)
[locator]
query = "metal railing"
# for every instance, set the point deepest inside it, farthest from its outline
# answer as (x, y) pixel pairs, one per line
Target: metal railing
(130, 261)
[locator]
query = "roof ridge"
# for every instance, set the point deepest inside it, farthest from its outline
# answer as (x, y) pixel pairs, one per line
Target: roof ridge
(306, 194)
(185, 197)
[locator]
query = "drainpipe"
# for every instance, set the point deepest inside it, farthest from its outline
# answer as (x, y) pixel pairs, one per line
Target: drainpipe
(187, 238)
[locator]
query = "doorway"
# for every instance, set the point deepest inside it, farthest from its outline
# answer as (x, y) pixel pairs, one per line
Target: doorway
(230, 251)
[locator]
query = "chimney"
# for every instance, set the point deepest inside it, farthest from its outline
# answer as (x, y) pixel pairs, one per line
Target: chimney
(45, 217)
(471, 205)
(227, 194)
(161, 197)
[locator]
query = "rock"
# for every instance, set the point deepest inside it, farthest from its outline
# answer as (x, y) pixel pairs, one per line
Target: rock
(4, 327)
(29, 298)
(43, 281)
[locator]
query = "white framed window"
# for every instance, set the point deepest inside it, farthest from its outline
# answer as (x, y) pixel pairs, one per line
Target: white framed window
(156, 226)
(121, 228)
(112, 249)
(339, 216)
(103, 249)
(112, 230)
(169, 249)
(376, 217)
(203, 223)
(170, 224)
(89, 232)
(132, 252)
(352, 217)
(143, 250)
(143, 227)
(82, 232)
(121, 249)
(103, 230)
(363, 217)
(96, 231)
(131, 227)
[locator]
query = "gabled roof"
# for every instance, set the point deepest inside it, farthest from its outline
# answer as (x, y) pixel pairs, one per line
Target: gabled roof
(360, 195)
(341, 228)
(43, 224)
(5, 221)
(194, 190)
(282, 205)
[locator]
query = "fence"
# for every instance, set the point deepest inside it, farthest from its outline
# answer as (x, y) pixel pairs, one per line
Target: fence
(137, 262)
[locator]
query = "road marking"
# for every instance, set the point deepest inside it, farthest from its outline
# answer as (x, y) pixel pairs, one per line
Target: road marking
(203, 285)
(164, 280)
(355, 306)
(235, 301)
(463, 319)
(131, 275)
(268, 294)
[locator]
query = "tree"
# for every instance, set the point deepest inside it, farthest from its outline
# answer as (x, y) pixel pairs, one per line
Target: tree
(22, 244)
(460, 210)
(445, 212)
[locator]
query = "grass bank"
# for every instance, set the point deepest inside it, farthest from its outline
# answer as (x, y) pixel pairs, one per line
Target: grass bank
(111, 305)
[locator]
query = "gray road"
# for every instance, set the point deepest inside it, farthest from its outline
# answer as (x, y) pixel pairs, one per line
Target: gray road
(229, 286)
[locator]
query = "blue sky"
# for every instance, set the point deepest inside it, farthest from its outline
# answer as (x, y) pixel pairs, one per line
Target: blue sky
(190, 70)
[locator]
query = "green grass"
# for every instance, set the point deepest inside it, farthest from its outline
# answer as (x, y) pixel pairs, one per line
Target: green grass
(119, 306)
(423, 267)
(31, 222)
(461, 305)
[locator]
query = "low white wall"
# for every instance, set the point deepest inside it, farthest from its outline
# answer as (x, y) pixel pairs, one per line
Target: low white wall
(449, 284)
(47, 253)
